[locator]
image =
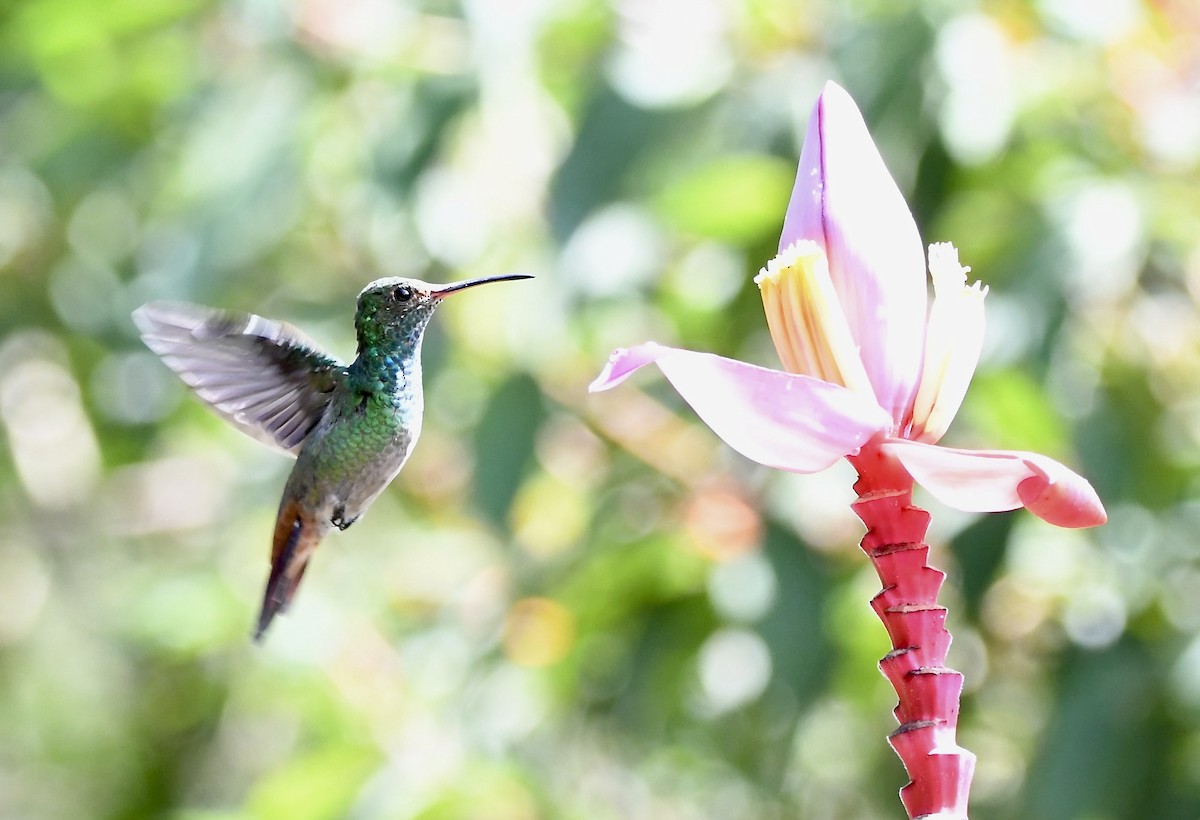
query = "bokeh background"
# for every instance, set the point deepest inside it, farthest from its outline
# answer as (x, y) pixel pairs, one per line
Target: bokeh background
(575, 606)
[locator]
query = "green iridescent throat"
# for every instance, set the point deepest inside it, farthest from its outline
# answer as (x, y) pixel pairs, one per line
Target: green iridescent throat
(389, 352)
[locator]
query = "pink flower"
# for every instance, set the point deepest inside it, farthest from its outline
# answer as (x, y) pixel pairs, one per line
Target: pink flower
(846, 304)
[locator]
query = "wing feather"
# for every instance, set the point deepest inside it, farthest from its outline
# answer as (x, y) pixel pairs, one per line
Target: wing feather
(264, 376)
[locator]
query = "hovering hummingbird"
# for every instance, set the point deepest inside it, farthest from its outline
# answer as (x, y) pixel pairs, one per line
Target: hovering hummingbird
(350, 427)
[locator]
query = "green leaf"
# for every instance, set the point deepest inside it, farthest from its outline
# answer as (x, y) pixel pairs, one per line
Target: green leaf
(504, 444)
(1011, 411)
(735, 199)
(316, 786)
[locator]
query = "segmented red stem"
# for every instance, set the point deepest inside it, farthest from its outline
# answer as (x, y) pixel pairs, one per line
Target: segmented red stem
(940, 770)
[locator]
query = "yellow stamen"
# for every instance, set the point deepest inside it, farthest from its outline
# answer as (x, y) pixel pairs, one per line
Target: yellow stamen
(806, 319)
(953, 340)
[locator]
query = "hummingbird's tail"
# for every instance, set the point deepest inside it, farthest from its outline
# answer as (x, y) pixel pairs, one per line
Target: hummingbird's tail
(296, 537)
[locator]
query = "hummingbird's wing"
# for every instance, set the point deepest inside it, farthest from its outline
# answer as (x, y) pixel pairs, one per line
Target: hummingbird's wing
(265, 377)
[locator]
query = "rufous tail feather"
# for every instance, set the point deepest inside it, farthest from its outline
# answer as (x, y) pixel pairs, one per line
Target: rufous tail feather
(296, 538)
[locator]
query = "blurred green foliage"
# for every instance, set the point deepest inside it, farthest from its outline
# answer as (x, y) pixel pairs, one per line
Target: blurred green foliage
(568, 605)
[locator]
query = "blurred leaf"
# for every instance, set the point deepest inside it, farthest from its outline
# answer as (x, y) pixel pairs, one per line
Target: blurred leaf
(735, 199)
(486, 791)
(437, 103)
(979, 556)
(1102, 747)
(316, 786)
(188, 614)
(793, 628)
(1010, 411)
(612, 137)
(87, 54)
(572, 44)
(504, 443)
(662, 665)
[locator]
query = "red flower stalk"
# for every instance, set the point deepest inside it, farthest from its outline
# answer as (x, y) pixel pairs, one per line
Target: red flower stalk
(928, 691)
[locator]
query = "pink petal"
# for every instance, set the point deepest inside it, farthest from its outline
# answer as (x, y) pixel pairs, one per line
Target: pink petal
(994, 480)
(778, 419)
(846, 200)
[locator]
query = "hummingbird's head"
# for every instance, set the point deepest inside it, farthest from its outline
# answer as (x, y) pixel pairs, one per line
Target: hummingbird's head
(398, 308)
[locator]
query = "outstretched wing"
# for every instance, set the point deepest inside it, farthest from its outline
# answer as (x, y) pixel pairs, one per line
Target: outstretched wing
(263, 376)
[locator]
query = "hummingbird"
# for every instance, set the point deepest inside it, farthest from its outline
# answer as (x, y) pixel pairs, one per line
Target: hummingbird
(351, 427)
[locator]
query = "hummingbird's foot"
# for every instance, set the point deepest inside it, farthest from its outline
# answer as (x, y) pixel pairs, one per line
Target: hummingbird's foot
(339, 520)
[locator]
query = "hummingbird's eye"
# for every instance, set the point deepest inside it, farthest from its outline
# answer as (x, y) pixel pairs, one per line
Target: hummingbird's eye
(402, 293)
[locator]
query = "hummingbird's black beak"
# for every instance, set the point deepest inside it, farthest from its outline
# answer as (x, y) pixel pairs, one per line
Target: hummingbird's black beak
(454, 287)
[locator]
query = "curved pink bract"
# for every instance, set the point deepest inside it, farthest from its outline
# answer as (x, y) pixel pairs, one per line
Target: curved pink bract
(995, 480)
(782, 420)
